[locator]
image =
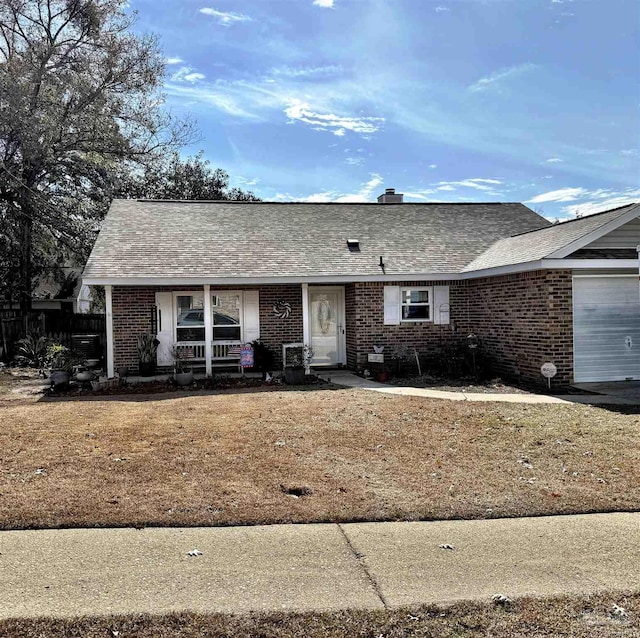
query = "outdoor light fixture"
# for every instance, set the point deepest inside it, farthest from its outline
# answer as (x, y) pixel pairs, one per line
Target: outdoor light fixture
(381, 264)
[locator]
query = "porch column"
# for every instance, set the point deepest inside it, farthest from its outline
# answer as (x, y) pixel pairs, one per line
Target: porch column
(208, 329)
(306, 336)
(109, 327)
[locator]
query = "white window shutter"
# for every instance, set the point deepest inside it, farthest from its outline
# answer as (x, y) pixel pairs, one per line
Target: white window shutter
(441, 305)
(391, 305)
(164, 318)
(251, 316)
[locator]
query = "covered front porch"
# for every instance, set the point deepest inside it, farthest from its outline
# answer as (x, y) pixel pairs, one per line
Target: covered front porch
(207, 325)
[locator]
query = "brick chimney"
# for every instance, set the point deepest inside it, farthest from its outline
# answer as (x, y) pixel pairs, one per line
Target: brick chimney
(390, 197)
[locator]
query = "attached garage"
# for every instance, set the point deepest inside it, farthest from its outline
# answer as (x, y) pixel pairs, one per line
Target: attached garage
(606, 327)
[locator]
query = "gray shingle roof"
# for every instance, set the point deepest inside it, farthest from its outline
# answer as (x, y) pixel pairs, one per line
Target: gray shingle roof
(227, 239)
(538, 244)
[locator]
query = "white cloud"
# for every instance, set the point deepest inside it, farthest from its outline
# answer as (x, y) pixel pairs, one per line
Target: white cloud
(300, 111)
(477, 183)
(306, 71)
(187, 74)
(325, 4)
(366, 194)
(354, 161)
(421, 194)
(600, 200)
(225, 18)
(553, 160)
(174, 60)
(495, 79)
(441, 9)
(561, 195)
(433, 166)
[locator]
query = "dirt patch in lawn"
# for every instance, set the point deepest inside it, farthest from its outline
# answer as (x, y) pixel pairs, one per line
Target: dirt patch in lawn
(577, 616)
(244, 459)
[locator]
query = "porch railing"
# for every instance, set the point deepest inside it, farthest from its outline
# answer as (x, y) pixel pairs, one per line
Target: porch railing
(221, 351)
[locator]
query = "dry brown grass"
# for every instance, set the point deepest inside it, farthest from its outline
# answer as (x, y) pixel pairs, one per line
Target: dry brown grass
(221, 459)
(577, 616)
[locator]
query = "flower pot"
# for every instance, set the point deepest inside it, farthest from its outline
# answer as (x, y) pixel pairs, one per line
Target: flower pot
(59, 378)
(294, 376)
(85, 376)
(123, 372)
(183, 378)
(147, 368)
(382, 377)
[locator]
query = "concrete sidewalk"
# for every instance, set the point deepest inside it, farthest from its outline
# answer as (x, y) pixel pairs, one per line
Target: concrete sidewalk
(351, 380)
(313, 567)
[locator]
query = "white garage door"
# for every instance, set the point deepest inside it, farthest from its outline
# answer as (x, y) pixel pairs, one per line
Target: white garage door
(606, 328)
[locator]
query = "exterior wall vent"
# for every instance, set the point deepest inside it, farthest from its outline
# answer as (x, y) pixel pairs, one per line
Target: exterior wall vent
(353, 245)
(391, 197)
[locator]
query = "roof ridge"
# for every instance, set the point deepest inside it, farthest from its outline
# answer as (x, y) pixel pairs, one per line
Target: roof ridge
(235, 201)
(577, 219)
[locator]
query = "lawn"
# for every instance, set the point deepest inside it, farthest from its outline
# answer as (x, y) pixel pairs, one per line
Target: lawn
(577, 616)
(347, 455)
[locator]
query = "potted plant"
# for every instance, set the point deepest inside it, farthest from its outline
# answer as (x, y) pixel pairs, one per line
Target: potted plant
(60, 364)
(182, 372)
(147, 353)
(297, 364)
(264, 358)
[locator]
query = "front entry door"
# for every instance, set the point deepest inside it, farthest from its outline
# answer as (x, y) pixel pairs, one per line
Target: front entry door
(326, 316)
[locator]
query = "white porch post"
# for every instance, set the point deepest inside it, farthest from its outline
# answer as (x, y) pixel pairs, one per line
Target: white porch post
(208, 329)
(306, 326)
(109, 327)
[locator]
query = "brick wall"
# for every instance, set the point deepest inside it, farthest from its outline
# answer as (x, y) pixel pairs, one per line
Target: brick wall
(522, 321)
(133, 309)
(365, 322)
(132, 316)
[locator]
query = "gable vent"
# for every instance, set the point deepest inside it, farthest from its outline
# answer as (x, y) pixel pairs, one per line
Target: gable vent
(353, 245)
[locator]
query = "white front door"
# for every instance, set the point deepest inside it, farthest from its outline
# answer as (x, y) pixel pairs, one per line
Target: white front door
(326, 329)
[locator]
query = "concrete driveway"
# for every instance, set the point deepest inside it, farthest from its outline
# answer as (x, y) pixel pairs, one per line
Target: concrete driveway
(628, 390)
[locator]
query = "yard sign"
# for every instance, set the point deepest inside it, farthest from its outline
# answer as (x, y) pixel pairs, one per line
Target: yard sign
(246, 356)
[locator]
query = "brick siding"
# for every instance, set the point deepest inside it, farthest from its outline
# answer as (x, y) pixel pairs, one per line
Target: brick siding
(522, 320)
(365, 322)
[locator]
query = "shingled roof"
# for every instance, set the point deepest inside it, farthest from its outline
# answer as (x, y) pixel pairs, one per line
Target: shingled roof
(179, 239)
(539, 244)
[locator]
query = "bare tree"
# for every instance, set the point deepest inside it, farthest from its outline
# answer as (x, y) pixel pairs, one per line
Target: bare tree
(79, 95)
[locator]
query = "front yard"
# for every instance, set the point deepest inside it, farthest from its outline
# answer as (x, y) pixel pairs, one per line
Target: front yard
(320, 455)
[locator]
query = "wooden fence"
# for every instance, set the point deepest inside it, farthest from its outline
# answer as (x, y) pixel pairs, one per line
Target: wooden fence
(56, 325)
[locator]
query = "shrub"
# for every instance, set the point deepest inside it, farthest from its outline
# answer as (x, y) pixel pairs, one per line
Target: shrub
(32, 351)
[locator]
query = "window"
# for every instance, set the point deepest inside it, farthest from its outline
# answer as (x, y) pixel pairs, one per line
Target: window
(190, 317)
(416, 304)
(226, 316)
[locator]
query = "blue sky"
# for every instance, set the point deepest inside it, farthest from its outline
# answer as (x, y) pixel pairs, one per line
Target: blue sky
(452, 100)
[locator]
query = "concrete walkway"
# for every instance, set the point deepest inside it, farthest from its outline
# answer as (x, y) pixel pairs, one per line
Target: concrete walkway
(351, 380)
(313, 567)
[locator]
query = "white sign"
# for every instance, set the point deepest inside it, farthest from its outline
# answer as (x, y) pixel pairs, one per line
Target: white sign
(376, 358)
(548, 370)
